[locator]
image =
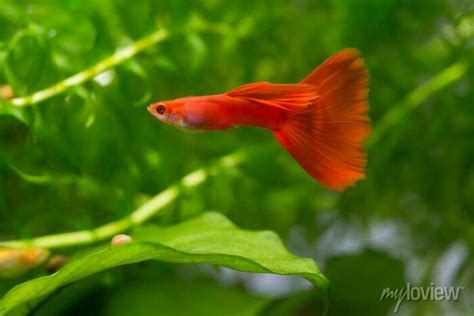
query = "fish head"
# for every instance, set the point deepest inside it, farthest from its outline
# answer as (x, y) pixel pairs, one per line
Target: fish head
(170, 112)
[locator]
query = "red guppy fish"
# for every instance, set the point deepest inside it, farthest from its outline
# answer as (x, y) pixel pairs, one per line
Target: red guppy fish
(320, 121)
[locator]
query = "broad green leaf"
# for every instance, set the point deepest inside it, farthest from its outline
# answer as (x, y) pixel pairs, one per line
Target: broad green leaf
(209, 238)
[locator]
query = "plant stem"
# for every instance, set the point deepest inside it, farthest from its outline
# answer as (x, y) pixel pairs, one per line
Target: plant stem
(142, 214)
(117, 58)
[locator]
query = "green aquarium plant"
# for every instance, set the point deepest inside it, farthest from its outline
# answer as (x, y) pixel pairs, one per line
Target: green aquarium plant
(104, 211)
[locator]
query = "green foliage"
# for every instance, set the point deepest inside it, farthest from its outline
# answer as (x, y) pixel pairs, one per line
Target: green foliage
(83, 153)
(211, 238)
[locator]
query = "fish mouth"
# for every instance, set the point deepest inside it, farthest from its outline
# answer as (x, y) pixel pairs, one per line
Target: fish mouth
(150, 109)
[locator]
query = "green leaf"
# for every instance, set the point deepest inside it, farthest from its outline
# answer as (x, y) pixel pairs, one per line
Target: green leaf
(209, 238)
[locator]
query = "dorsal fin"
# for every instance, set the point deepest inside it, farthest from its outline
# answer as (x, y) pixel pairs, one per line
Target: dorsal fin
(285, 96)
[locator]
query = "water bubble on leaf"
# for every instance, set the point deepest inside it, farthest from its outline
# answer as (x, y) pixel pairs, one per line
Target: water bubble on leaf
(120, 239)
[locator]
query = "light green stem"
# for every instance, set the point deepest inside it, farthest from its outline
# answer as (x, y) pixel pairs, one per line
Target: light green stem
(117, 58)
(142, 214)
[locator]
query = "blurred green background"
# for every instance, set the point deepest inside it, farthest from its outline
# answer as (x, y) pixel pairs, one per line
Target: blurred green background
(93, 154)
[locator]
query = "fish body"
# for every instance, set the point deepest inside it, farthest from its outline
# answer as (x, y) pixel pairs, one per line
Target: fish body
(219, 112)
(320, 121)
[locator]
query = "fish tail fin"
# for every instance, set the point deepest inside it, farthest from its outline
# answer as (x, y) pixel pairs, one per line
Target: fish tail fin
(326, 138)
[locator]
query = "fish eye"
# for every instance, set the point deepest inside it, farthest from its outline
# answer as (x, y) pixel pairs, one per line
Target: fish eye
(160, 109)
